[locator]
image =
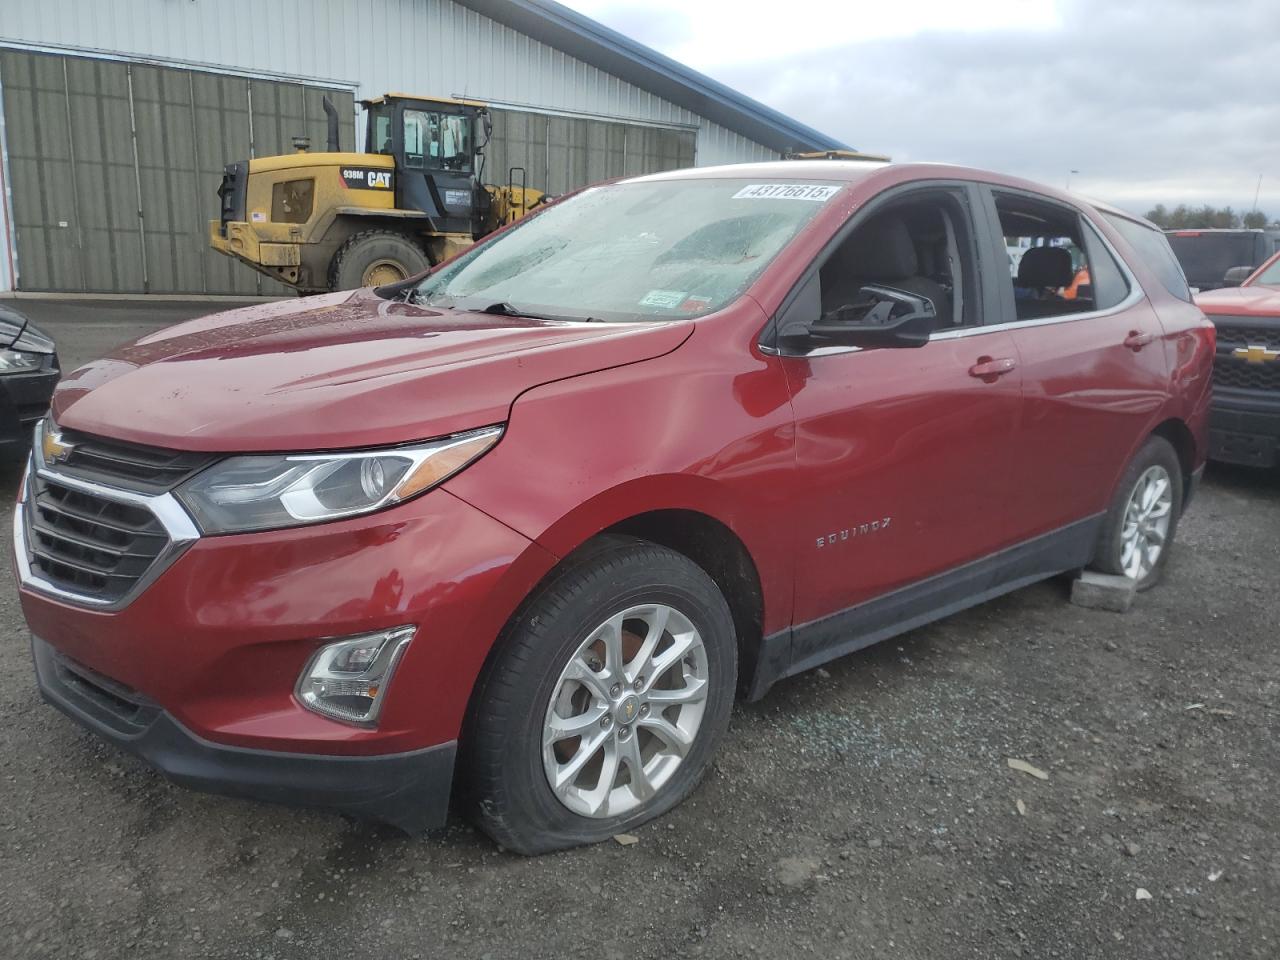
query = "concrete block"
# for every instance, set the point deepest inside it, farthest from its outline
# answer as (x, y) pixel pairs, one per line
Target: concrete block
(1102, 591)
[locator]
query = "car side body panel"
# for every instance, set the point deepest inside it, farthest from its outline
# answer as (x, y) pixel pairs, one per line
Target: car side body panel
(707, 429)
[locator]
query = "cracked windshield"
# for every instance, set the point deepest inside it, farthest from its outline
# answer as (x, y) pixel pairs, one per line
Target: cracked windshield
(657, 250)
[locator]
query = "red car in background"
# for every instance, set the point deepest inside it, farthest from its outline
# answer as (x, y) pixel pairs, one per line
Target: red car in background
(1244, 426)
(529, 523)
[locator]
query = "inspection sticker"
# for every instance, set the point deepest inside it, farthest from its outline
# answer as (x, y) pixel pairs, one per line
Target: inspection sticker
(819, 192)
(664, 298)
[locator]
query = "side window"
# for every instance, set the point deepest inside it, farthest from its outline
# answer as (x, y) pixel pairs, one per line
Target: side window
(922, 244)
(1108, 281)
(1049, 264)
(1154, 250)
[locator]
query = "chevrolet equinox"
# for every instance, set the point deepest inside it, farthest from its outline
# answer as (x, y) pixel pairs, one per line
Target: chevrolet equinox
(527, 524)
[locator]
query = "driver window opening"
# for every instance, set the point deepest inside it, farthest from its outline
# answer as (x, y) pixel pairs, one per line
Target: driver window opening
(921, 246)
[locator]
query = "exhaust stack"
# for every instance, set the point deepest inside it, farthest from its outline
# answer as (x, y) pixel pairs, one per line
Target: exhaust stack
(331, 112)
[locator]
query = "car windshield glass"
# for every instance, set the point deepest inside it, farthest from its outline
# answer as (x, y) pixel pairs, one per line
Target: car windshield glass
(1270, 276)
(646, 250)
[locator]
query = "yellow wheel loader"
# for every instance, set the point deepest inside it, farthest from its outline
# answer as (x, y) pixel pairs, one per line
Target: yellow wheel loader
(336, 221)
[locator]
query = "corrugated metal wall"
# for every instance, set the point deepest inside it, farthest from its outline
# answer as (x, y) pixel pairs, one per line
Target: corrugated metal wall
(114, 168)
(8, 260)
(76, 198)
(416, 46)
(559, 154)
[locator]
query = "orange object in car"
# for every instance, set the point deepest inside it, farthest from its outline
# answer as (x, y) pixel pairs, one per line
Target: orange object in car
(1082, 276)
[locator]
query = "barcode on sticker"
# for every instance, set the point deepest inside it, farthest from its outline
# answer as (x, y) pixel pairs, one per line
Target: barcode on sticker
(787, 191)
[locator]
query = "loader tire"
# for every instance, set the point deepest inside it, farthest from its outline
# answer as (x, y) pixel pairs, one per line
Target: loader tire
(375, 257)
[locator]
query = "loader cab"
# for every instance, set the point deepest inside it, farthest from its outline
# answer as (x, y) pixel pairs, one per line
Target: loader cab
(436, 144)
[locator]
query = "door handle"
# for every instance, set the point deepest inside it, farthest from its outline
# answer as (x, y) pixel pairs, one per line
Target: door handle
(990, 369)
(1136, 340)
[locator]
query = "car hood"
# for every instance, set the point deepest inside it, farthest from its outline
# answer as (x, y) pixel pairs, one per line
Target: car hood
(336, 371)
(1256, 301)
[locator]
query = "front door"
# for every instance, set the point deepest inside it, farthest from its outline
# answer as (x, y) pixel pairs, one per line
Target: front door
(904, 455)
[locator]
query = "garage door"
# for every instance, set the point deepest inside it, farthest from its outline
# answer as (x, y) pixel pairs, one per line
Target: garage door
(559, 154)
(113, 168)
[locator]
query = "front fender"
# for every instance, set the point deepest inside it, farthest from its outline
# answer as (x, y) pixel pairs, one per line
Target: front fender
(678, 432)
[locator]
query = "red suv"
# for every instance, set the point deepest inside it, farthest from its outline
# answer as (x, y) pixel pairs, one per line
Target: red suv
(529, 523)
(1244, 426)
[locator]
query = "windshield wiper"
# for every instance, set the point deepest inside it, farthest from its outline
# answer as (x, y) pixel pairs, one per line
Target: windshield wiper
(504, 308)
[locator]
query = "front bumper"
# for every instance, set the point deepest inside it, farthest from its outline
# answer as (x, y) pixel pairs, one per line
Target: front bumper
(407, 790)
(1244, 427)
(205, 658)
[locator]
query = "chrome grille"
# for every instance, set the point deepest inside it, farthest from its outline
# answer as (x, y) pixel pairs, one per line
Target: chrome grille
(87, 544)
(129, 465)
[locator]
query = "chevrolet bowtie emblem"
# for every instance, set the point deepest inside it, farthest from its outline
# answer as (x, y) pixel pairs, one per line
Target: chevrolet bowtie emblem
(53, 447)
(1255, 353)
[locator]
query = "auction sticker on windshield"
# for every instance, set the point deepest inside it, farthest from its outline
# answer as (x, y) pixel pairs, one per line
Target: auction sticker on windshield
(819, 192)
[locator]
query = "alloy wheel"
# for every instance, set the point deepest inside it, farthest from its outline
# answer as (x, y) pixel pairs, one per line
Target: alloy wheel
(626, 711)
(1146, 522)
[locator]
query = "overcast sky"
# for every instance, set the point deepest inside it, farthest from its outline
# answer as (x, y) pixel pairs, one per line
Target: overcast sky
(1150, 100)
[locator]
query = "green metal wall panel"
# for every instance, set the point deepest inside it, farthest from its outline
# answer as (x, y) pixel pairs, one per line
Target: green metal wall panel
(114, 168)
(565, 153)
(39, 148)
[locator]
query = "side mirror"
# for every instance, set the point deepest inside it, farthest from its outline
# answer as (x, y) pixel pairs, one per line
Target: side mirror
(1236, 276)
(879, 316)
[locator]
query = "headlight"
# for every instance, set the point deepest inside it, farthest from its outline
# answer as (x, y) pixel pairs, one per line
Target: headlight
(19, 360)
(268, 492)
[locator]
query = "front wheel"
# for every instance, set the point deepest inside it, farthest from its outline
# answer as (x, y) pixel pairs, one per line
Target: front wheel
(1138, 532)
(606, 700)
(374, 258)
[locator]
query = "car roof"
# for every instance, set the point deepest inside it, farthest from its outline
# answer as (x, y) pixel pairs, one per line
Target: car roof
(854, 171)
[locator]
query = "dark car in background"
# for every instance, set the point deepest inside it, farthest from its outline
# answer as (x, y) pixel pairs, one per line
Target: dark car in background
(1244, 424)
(28, 373)
(1217, 258)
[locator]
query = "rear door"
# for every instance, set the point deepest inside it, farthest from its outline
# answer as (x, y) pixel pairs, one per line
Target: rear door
(1094, 366)
(904, 455)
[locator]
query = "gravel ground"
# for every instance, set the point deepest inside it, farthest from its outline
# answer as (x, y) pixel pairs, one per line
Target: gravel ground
(862, 810)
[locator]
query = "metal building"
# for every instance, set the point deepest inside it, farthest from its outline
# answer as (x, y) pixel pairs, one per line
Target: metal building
(116, 118)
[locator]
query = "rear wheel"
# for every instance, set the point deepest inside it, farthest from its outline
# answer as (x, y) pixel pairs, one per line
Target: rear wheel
(606, 701)
(374, 258)
(1143, 518)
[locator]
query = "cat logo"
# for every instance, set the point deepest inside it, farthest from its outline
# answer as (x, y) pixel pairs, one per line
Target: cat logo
(365, 178)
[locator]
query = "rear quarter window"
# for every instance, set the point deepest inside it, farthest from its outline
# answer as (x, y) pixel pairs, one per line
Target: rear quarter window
(1152, 247)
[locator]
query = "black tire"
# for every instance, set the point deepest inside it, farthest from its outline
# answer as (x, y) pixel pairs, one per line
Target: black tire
(502, 763)
(1156, 452)
(364, 250)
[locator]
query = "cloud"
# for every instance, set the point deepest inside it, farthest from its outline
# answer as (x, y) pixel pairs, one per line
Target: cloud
(1150, 100)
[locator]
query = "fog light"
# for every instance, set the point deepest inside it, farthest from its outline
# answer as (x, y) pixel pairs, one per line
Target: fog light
(347, 680)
